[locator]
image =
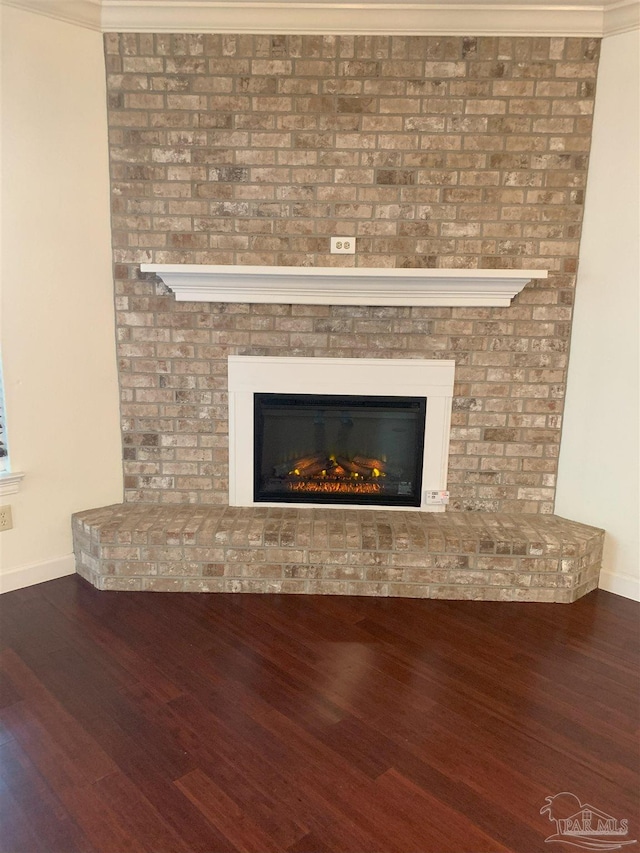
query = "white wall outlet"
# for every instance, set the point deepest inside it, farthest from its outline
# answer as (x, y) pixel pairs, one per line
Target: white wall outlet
(343, 245)
(6, 522)
(437, 498)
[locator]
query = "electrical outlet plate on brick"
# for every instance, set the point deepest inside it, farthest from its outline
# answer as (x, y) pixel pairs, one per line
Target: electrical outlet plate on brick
(343, 245)
(6, 521)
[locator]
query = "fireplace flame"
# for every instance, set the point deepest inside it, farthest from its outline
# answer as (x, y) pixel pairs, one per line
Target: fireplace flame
(333, 473)
(335, 486)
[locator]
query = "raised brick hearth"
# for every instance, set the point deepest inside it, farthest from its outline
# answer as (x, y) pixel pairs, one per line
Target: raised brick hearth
(484, 556)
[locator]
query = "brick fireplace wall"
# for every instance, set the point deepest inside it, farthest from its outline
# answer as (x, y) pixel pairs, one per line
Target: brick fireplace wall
(432, 152)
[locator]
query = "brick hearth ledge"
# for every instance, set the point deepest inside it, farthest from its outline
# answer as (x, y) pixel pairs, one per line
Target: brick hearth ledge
(470, 555)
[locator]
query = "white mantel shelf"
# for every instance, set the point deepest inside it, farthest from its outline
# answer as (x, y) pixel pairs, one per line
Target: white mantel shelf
(343, 285)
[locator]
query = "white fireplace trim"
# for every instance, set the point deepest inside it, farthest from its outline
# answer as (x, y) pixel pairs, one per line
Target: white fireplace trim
(428, 378)
(343, 286)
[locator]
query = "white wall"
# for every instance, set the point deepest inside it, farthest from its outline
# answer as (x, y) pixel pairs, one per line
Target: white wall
(58, 343)
(599, 461)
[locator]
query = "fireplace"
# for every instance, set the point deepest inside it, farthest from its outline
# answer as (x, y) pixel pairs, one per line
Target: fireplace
(338, 449)
(350, 432)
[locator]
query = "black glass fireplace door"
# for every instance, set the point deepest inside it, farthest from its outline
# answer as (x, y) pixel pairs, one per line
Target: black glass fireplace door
(338, 449)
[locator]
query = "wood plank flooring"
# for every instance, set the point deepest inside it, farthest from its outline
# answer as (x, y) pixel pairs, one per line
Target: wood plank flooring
(155, 723)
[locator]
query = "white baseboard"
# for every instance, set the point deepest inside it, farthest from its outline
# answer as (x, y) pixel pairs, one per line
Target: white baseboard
(624, 585)
(37, 573)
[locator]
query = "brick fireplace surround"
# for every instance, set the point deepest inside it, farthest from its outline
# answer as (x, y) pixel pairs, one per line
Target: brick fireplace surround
(431, 152)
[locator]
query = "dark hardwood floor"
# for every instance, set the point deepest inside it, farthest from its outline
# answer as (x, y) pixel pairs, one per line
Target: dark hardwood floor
(265, 724)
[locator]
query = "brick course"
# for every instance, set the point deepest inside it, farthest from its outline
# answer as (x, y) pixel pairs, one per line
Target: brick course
(432, 152)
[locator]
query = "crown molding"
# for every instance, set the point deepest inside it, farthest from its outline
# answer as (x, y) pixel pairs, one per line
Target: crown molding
(623, 17)
(82, 13)
(587, 18)
(342, 285)
(350, 18)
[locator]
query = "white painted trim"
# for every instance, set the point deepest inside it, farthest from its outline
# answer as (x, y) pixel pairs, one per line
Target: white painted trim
(342, 286)
(10, 483)
(395, 377)
(83, 13)
(624, 585)
(385, 17)
(369, 18)
(49, 570)
(623, 17)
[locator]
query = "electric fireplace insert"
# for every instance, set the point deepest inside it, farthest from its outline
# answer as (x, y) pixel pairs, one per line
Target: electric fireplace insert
(338, 449)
